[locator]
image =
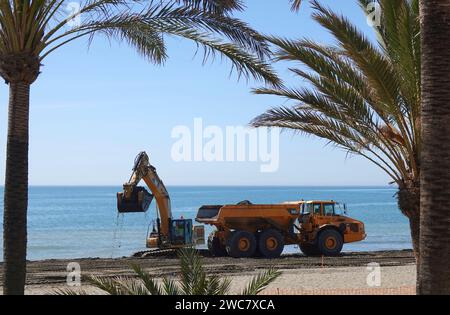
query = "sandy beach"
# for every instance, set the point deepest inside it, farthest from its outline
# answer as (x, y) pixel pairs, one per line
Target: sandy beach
(301, 275)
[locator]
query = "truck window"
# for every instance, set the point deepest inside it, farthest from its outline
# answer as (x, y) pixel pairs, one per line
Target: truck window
(306, 208)
(328, 209)
(317, 208)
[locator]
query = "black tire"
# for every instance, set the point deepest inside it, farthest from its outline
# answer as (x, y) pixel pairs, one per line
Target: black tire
(257, 253)
(270, 243)
(215, 247)
(330, 242)
(309, 249)
(241, 244)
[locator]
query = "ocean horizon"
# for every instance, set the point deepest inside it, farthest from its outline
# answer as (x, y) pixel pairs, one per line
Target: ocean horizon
(82, 221)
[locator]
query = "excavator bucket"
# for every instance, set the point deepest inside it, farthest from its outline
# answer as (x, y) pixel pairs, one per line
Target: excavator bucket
(139, 201)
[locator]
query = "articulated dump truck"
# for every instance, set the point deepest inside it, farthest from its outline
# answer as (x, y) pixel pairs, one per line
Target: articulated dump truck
(251, 230)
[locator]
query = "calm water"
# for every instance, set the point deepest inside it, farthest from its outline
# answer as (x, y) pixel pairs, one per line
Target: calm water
(69, 222)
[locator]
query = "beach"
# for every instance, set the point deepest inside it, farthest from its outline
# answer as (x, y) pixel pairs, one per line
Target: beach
(346, 274)
(82, 222)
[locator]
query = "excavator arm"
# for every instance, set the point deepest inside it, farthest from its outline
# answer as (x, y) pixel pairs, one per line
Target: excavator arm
(170, 233)
(143, 170)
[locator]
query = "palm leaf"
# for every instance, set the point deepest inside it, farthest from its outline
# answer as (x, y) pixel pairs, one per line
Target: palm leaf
(296, 4)
(43, 28)
(170, 287)
(193, 276)
(360, 97)
(215, 6)
(261, 281)
(69, 292)
(109, 285)
(130, 286)
(217, 285)
(149, 283)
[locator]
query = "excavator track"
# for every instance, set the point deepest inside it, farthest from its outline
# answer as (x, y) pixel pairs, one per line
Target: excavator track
(155, 253)
(167, 253)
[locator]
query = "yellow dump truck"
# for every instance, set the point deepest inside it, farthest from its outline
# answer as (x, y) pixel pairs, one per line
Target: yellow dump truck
(247, 230)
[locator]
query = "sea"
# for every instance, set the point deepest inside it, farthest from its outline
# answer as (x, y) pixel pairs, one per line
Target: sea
(76, 222)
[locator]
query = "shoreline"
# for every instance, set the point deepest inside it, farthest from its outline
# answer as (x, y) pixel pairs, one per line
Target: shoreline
(300, 274)
(204, 253)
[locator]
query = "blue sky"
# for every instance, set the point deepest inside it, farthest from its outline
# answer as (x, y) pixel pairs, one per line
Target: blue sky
(93, 109)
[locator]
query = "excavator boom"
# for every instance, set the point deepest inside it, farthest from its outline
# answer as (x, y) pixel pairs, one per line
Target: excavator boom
(168, 232)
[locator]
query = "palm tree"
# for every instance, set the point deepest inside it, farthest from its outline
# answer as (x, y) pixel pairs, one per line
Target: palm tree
(360, 96)
(30, 30)
(193, 281)
(434, 268)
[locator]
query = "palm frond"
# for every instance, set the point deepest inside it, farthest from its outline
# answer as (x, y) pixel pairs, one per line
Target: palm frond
(360, 97)
(131, 286)
(216, 33)
(147, 280)
(170, 287)
(217, 285)
(261, 281)
(295, 4)
(369, 60)
(44, 27)
(193, 276)
(112, 286)
(337, 132)
(215, 6)
(399, 36)
(71, 292)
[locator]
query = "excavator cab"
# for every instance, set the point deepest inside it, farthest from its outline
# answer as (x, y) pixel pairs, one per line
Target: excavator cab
(180, 234)
(139, 201)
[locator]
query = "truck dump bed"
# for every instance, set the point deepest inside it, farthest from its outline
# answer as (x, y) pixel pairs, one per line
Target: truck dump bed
(206, 213)
(243, 216)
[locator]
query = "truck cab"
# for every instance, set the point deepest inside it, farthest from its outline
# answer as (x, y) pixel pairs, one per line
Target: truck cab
(324, 228)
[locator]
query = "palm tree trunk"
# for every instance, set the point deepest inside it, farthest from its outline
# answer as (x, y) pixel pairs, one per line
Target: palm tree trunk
(16, 190)
(434, 267)
(414, 226)
(409, 204)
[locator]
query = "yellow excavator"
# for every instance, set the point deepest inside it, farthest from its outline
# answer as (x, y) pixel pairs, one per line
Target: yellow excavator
(168, 233)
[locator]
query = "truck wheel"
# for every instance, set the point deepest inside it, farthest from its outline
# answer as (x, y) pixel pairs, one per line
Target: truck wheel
(330, 242)
(309, 249)
(241, 244)
(270, 243)
(215, 247)
(257, 253)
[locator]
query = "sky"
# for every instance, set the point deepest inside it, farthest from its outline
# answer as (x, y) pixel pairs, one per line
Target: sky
(95, 107)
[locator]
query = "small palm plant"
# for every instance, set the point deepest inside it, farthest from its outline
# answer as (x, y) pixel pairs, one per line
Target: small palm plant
(193, 281)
